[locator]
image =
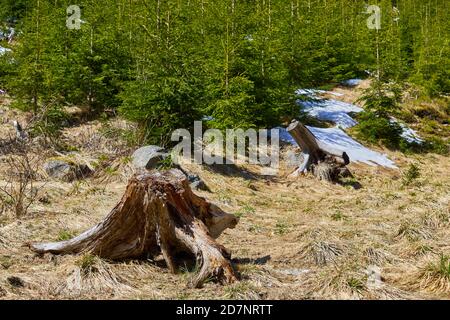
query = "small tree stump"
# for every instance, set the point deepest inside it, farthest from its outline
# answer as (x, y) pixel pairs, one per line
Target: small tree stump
(322, 160)
(158, 213)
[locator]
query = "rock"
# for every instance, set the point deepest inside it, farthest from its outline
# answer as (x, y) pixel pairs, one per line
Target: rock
(66, 170)
(197, 183)
(16, 282)
(148, 157)
(57, 169)
(44, 199)
(294, 272)
(77, 113)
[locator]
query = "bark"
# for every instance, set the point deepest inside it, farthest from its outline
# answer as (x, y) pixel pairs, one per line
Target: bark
(158, 213)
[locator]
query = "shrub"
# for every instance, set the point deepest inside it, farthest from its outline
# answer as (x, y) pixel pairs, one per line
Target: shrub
(160, 108)
(437, 145)
(376, 129)
(64, 235)
(20, 191)
(87, 263)
(442, 268)
(382, 98)
(381, 102)
(413, 173)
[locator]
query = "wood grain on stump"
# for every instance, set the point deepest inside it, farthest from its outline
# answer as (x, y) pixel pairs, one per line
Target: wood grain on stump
(158, 213)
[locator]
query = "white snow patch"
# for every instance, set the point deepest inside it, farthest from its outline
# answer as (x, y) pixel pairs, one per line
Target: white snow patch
(331, 110)
(285, 136)
(312, 93)
(4, 51)
(249, 37)
(338, 139)
(337, 112)
(207, 118)
(351, 82)
(7, 34)
(408, 134)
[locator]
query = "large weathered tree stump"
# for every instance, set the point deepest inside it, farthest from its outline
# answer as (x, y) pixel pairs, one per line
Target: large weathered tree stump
(158, 213)
(321, 159)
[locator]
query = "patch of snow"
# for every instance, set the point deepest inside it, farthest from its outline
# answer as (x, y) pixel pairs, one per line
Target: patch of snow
(11, 35)
(249, 37)
(312, 93)
(331, 110)
(351, 82)
(7, 34)
(408, 134)
(294, 272)
(286, 136)
(308, 92)
(338, 139)
(207, 118)
(337, 112)
(4, 51)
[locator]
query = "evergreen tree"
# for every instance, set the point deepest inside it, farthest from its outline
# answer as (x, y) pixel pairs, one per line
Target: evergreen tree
(165, 64)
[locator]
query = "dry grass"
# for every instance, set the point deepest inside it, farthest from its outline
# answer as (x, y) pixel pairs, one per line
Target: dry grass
(436, 275)
(297, 239)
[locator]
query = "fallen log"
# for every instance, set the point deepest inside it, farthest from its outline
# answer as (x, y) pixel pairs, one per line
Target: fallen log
(158, 213)
(325, 162)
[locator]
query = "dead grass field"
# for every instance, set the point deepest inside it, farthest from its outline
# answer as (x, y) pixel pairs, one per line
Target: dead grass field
(297, 239)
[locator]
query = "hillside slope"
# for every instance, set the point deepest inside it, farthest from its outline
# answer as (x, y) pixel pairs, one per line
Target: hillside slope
(297, 239)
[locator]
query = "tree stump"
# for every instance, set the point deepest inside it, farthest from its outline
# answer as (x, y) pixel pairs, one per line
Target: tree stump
(158, 213)
(325, 162)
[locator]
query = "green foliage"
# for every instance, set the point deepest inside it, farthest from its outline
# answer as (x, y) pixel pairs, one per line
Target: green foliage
(412, 174)
(6, 69)
(168, 63)
(160, 108)
(12, 10)
(64, 235)
(87, 263)
(54, 63)
(441, 268)
(281, 228)
(437, 145)
(431, 50)
(382, 99)
(166, 164)
(244, 211)
(356, 284)
(375, 129)
(129, 136)
(376, 124)
(50, 121)
(338, 216)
